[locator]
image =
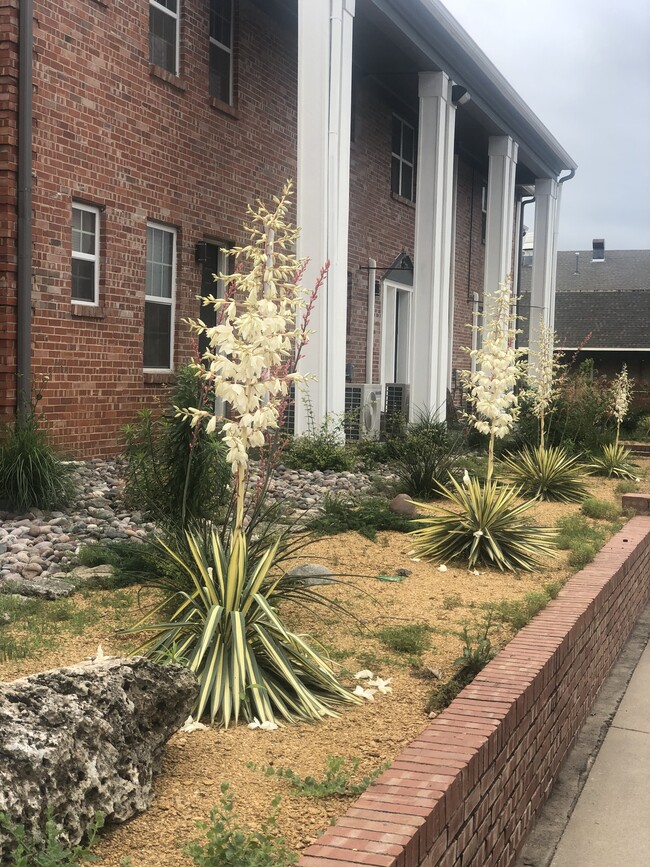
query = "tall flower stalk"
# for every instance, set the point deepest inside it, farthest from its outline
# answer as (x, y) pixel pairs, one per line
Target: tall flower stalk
(621, 392)
(490, 388)
(542, 379)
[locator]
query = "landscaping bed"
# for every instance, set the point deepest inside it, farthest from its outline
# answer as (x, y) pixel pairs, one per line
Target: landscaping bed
(387, 616)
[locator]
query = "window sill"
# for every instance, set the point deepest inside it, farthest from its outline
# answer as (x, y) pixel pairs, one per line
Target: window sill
(223, 107)
(169, 77)
(157, 378)
(87, 311)
(402, 199)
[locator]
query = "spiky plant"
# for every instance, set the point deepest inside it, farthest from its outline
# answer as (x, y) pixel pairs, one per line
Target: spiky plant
(613, 460)
(486, 527)
(546, 473)
(228, 632)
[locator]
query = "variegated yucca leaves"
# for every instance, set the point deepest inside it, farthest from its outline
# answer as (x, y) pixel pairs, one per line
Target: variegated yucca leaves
(229, 633)
(486, 526)
(614, 460)
(549, 473)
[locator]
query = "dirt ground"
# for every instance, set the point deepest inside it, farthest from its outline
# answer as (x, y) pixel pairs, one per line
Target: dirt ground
(196, 764)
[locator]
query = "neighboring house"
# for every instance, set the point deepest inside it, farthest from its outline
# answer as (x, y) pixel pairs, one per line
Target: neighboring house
(602, 309)
(156, 121)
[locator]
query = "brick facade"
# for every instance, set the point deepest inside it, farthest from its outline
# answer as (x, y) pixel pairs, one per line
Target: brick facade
(143, 145)
(468, 789)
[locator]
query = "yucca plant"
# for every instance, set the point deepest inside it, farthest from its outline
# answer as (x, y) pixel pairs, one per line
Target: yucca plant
(613, 461)
(546, 473)
(228, 632)
(487, 528)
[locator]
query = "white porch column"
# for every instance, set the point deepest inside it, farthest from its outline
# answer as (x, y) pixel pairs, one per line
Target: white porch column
(542, 289)
(323, 192)
(433, 242)
(499, 239)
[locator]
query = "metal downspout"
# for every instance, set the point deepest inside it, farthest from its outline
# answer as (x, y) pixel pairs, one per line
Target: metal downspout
(24, 270)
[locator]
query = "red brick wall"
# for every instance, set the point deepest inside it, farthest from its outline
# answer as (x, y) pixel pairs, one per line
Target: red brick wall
(8, 215)
(467, 790)
(111, 133)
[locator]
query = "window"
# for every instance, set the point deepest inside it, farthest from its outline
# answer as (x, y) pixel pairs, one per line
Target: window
(221, 40)
(163, 34)
(396, 332)
(403, 160)
(159, 297)
(216, 262)
(85, 254)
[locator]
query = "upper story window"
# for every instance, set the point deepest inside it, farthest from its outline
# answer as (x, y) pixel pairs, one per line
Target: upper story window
(403, 159)
(85, 254)
(159, 298)
(221, 50)
(164, 34)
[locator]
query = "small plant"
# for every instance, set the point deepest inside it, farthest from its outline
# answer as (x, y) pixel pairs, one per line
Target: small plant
(132, 562)
(424, 457)
(477, 651)
(642, 430)
(627, 486)
(487, 528)
(32, 475)
(517, 613)
(365, 515)
(412, 638)
(48, 850)
(321, 448)
(230, 842)
(335, 782)
(451, 602)
(580, 538)
(549, 473)
(600, 509)
(614, 461)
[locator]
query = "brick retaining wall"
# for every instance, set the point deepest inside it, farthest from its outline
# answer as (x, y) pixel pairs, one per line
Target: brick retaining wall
(467, 790)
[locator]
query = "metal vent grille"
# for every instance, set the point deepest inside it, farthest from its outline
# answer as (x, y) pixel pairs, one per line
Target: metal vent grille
(352, 418)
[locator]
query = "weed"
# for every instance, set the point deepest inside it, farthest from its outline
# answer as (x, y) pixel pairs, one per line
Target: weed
(48, 851)
(600, 509)
(367, 516)
(335, 782)
(627, 486)
(230, 842)
(412, 638)
(575, 530)
(451, 602)
(476, 653)
(581, 555)
(36, 624)
(517, 613)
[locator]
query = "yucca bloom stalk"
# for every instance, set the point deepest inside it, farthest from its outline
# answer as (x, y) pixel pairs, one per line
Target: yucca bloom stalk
(491, 387)
(542, 378)
(621, 392)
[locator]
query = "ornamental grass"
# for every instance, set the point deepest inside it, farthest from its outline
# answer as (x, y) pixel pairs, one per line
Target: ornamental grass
(549, 473)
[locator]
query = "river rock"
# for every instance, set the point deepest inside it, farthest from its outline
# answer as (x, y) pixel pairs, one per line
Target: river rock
(85, 739)
(312, 574)
(402, 504)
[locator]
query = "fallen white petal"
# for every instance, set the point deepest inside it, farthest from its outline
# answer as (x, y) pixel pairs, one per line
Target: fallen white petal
(442, 568)
(190, 725)
(368, 694)
(382, 685)
(99, 656)
(415, 559)
(364, 674)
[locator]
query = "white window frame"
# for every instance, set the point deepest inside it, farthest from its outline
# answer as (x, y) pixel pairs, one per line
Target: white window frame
(88, 257)
(177, 17)
(157, 299)
(402, 160)
(229, 50)
(396, 332)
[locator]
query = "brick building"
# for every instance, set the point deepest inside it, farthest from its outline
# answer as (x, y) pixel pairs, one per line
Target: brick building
(156, 122)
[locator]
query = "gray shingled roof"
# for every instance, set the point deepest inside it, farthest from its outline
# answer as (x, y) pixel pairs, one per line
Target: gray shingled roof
(610, 299)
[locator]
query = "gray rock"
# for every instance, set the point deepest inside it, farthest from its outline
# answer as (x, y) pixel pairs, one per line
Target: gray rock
(43, 586)
(89, 573)
(312, 574)
(85, 739)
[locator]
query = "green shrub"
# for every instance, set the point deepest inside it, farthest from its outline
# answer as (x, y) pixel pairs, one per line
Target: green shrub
(230, 842)
(546, 473)
(600, 509)
(366, 516)
(627, 486)
(32, 475)
(486, 526)
(47, 851)
(175, 473)
(335, 782)
(579, 420)
(613, 460)
(424, 457)
(412, 638)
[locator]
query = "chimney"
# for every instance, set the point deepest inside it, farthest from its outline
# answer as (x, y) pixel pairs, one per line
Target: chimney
(598, 254)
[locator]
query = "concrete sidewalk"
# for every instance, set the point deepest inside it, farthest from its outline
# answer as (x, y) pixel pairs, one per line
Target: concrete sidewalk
(598, 814)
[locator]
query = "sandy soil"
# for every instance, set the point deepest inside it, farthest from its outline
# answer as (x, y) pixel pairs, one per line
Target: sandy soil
(196, 764)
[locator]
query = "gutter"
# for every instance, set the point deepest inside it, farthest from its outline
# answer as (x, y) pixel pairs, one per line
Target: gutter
(24, 270)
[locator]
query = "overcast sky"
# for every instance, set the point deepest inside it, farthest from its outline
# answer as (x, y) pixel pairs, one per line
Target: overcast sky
(583, 66)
